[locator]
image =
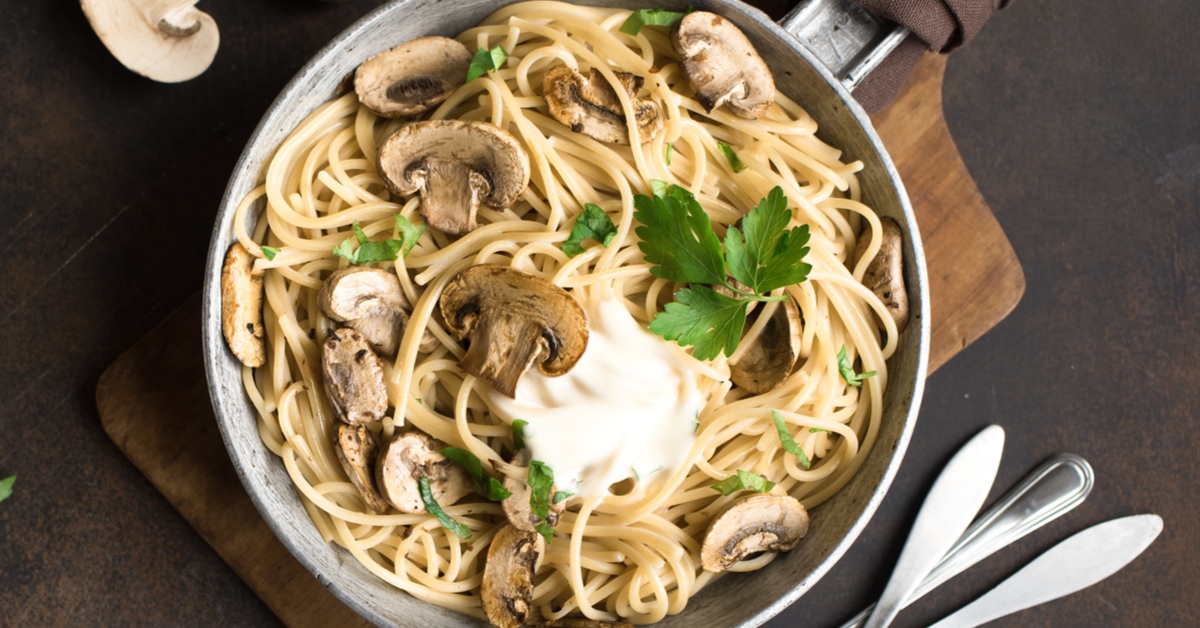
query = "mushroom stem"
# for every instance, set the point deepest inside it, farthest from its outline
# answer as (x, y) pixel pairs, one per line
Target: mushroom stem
(173, 18)
(526, 345)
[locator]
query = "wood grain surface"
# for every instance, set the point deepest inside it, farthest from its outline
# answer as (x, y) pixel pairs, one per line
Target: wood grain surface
(154, 404)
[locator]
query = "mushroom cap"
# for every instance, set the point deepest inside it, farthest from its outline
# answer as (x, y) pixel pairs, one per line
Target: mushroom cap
(241, 307)
(165, 42)
(356, 448)
(507, 587)
(456, 165)
(409, 456)
(412, 77)
(766, 363)
(370, 300)
(722, 66)
(353, 377)
(885, 274)
(761, 523)
(513, 320)
(590, 105)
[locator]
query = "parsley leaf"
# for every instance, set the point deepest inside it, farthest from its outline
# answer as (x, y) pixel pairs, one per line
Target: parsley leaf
(678, 237)
(789, 444)
(486, 61)
(487, 486)
(385, 251)
(649, 17)
(703, 318)
(735, 162)
(269, 252)
(670, 149)
(847, 369)
(518, 428)
(6, 487)
(434, 509)
(769, 255)
(743, 481)
(541, 483)
(592, 223)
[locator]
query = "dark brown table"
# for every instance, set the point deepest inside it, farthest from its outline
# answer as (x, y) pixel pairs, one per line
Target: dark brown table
(1079, 122)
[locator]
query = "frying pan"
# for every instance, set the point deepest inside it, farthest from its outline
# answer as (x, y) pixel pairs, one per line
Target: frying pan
(733, 600)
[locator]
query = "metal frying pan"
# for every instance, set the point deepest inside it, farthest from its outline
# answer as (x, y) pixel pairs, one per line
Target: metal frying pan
(736, 599)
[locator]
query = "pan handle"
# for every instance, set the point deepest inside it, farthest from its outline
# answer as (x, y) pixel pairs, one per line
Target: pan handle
(846, 38)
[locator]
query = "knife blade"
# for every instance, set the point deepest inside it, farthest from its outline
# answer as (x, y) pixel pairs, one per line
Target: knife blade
(1074, 564)
(952, 503)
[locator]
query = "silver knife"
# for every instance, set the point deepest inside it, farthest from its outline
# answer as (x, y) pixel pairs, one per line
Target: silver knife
(1077, 563)
(952, 503)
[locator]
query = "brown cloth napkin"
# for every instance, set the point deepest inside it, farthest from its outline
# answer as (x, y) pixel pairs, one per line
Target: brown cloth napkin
(937, 25)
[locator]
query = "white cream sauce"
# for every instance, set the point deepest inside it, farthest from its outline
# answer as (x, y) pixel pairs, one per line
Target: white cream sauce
(626, 410)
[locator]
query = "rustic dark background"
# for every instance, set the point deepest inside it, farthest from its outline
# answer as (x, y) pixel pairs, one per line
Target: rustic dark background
(1079, 120)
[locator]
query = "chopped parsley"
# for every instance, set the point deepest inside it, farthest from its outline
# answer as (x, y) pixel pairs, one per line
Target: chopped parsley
(487, 486)
(667, 156)
(541, 483)
(367, 252)
(743, 481)
(6, 486)
(486, 61)
(518, 428)
(789, 444)
(847, 369)
(649, 17)
(269, 252)
(434, 509)
(735, 162)
(591, 223)
(678, 239)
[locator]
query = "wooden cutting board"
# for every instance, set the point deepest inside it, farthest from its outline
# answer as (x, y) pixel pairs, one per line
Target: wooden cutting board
(154, 403)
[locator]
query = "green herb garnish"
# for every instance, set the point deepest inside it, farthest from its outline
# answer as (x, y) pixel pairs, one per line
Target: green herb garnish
(6, 487)
(847, 369)
(541, 483)
(269, 252)
(518, 428)
(670, 149)
(386, 251)
(815, 430)
(487, 486)
(678, 238)
(649, 17)
(743, 481)
(789, 444)
(434, 509)
(486, 61)
(591, 223)
(735, 162)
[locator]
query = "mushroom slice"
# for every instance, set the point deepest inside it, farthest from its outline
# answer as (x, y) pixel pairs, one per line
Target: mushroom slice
(516, 505)
(512, 321)
(241, 307)
(456, 165)
(885, 274)
(762, 523)
(507, 588)
(766, 363)
(590, 105)
(412, 77)
(353, 377)
(357, 449)
(411, 455)
(370, 300)
(168, 41)
(722, 66)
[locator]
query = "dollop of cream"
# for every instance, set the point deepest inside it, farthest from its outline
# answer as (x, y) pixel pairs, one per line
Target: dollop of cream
(627, 409)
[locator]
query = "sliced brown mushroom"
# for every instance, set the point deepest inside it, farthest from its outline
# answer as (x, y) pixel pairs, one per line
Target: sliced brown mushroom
(457, 166)
(722, 66)
(412, 77)
(356, 449)
(513, 320)
(241, 307)
(168, 41)
(412, 455)
(590, 105)
(885, 274)
(761, 523)
(507, 588)
(371, 301)
(353, 377)
(766, 363)
(516, 505)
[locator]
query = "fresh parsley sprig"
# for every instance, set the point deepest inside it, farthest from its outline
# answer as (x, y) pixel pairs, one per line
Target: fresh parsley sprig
(434, 509)
(735, 162)
(541, 484)
(789, 444)
(591, 223)
(359, 249)
(847, 369)
(649, 17)
(486, 61)
(487, 486)
(743, 481)
(677, 237)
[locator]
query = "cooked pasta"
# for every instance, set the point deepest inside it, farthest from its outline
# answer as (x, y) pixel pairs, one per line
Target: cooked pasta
(632, 552)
